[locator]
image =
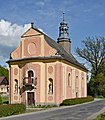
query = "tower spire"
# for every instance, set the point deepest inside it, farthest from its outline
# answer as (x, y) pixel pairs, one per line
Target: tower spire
(63, 38)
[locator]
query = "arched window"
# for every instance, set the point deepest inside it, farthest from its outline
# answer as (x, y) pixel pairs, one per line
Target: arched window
(16, 86)
(76, 85)
(65, 29)
(30, 73)
(50, 86)
(76, 81)
(82, 82)
(82, 85)
(30, 76)
(62, 29)
(69, 80)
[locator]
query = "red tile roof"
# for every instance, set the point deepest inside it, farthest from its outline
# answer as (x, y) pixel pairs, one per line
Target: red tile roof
(1, 78)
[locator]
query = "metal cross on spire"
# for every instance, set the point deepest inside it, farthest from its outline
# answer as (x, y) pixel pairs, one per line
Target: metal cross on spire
(63, 16)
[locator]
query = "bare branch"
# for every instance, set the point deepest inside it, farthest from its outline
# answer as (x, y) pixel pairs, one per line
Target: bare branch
(93, 51)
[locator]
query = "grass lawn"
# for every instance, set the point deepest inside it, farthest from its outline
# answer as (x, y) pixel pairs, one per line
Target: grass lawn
(31, 110)
(100, 117)
(39, 108)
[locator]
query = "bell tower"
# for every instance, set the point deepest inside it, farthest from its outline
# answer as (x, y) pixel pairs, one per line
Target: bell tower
(63, 38)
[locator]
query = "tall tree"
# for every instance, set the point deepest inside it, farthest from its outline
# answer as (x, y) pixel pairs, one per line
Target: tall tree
(4, 71)
(93, 51)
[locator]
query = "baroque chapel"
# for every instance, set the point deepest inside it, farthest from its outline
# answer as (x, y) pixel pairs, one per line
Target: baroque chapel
(43, 71)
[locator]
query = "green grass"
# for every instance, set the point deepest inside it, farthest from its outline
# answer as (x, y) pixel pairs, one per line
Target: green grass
(43, 106)
(100, 117)
(31, 110)
(39, 108)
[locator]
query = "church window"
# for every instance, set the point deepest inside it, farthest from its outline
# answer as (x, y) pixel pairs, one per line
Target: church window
(76, 81)
(65, 29)
(1, 89)
(82, 85)
(76, 94)
(82, 82)
(69, 80)
(30, 76)
(62, 29)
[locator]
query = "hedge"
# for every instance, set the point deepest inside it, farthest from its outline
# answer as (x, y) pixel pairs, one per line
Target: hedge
(74, 101)
(12, 109)
(0, 100)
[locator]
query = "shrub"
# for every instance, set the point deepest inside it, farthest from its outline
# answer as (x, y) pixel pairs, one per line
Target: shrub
(74, 101)
(0, 100)
(5, 100)
(100, 117)
(100, 96)
(11, 109)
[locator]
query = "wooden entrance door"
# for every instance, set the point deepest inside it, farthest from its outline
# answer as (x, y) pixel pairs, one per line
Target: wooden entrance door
(30, 98)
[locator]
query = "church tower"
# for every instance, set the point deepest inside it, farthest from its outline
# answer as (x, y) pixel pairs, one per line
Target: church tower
(63, 38)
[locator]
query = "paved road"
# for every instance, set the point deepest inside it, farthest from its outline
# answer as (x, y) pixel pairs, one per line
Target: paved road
(81, 112)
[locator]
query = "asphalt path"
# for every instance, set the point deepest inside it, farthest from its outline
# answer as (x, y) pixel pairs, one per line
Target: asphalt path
(77, 112)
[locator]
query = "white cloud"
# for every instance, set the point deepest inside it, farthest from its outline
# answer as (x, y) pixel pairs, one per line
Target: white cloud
(10, 37)
(10, 33)
(1, 58)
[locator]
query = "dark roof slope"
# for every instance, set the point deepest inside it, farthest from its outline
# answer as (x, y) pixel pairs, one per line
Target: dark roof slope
(3, 80)
(61, 51)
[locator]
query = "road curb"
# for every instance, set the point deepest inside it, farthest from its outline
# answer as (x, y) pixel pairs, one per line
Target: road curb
(57, 108)
(93, 116)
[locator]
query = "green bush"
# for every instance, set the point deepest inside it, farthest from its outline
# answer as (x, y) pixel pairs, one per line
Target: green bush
(12, 109)
(5, 100)
(0, 100)
(74, 101)
(100, 117)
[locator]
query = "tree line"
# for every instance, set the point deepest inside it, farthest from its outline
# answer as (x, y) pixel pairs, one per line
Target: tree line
(4, 72)
(93, 51)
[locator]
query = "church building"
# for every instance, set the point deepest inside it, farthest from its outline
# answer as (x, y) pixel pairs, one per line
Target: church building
(43, 71)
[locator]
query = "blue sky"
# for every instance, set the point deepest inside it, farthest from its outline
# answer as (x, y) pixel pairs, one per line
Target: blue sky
(85, 18)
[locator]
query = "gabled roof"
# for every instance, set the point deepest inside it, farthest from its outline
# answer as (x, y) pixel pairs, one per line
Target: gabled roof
(61, 53)
(36, 29)
(3, 80)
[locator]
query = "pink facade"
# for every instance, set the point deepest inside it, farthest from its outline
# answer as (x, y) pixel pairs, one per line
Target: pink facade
(37, 69)
(69, 82)
(39, 75)
(32, 47)
(58, 83)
